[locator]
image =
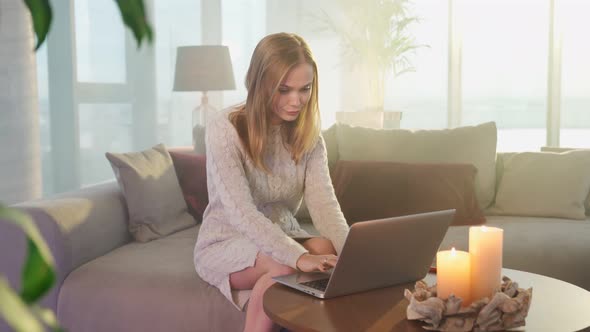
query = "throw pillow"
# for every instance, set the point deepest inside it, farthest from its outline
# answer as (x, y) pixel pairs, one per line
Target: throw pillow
(192, 175)
(373, 190)
(474, 145)
(544, 184)
(154, 199)
(565, 149)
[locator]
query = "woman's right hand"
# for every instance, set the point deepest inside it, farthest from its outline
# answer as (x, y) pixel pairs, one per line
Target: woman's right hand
(310, 263)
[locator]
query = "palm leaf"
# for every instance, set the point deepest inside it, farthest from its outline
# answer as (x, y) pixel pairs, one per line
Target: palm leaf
(134, 17)
(373, 31)
(48, 317)
(42, 15)
(132, 13)
(38, 276)
(38, 271)
(15, 311)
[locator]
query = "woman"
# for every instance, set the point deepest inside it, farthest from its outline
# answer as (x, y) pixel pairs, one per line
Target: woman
(263, 157)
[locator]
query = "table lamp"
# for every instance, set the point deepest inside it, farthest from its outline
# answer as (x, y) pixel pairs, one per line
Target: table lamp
(203, 68)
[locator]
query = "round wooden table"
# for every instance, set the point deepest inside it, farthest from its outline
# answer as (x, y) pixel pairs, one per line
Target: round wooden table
(556, 306)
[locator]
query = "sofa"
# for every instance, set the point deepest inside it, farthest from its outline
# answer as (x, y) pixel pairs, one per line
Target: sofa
(106, 281)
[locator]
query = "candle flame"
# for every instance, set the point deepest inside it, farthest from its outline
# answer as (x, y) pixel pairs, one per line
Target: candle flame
(453, 251)
(484, 229)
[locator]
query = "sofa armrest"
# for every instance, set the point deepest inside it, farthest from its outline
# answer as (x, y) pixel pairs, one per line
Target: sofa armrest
(78, 226)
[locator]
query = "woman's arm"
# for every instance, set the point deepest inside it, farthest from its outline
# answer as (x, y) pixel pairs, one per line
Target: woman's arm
(320, 198)
(226, 172)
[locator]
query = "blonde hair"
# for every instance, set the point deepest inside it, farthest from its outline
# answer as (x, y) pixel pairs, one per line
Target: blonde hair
(272, 59)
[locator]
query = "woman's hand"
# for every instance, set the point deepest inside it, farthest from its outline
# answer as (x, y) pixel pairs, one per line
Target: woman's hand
(310, 263)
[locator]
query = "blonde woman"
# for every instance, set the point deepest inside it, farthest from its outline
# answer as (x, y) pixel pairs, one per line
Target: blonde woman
(263, 158)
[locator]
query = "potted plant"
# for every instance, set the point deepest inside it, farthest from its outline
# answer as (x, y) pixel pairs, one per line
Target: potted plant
(376, 43)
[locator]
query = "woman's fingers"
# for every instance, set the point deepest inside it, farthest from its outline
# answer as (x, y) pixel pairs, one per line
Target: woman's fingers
(327, 262)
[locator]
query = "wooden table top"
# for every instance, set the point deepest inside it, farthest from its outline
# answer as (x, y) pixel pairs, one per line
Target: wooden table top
(556, 306)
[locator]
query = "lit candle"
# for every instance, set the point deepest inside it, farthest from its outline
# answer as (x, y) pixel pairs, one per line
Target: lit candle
(453, 275)
(485, 247)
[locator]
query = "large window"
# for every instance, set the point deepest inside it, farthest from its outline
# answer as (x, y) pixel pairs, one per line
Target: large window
(177, 23)
(100, 42)
(103, 127)
(44, 119)
(243, 25)
(104, 123)
(573, 26)
(504, 68)
(494, 66)
(421, 96)
(326, 48)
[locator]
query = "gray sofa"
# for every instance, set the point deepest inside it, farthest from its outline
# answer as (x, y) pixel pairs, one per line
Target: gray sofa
(107, 282)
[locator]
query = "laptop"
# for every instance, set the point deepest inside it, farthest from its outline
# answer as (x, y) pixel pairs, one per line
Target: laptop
(378, 253)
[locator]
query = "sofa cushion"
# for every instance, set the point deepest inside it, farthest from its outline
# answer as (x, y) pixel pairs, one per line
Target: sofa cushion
(543, 184)
(154, 199)
(139, 284)
(192, 175)
(372, 190)
(465, 145)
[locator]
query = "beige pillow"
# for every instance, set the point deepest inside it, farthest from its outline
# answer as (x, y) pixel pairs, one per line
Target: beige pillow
(564, 149)
(154, 199)
(474, 145)
(544, 184)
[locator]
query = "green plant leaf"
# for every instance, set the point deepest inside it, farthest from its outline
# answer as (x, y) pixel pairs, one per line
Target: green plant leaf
(38, 271)
(48, 317)
(42, 15)
(134, 16)
(15, 311)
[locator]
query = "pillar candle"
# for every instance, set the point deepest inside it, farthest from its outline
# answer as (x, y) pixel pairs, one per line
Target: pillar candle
(485, 247)
(453, 274)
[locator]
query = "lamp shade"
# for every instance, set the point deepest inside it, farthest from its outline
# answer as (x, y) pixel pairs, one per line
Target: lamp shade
(203, 68)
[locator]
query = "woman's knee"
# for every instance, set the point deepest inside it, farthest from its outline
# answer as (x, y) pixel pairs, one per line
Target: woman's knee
(319, 246)
(274, 268)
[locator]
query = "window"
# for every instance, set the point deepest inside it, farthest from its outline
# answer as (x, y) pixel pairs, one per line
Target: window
(103, 127)
(573, 26)
(504, 69)
(100, 42)
(243, 26)
(44, 119)
(176, 23)
(421, 96)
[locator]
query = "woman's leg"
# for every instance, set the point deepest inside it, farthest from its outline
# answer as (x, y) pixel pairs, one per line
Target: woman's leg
(259, 279)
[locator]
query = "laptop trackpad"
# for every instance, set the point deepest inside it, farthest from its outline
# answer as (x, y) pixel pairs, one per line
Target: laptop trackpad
(310, 276)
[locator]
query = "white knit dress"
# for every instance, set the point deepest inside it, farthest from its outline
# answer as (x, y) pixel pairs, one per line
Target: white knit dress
(250, 211)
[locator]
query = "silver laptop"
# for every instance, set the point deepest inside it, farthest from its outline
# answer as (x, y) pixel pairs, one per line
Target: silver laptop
(378, 253)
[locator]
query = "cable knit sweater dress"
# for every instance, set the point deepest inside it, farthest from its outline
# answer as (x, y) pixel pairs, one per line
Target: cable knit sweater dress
(250, 211)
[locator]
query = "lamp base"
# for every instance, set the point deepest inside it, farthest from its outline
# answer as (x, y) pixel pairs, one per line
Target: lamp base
(200, 118)
(200, 114)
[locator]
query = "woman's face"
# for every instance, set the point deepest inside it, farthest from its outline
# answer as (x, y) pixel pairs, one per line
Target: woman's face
(293, 94)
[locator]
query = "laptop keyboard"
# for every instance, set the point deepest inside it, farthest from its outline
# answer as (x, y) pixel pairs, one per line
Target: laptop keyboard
(317, 284)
